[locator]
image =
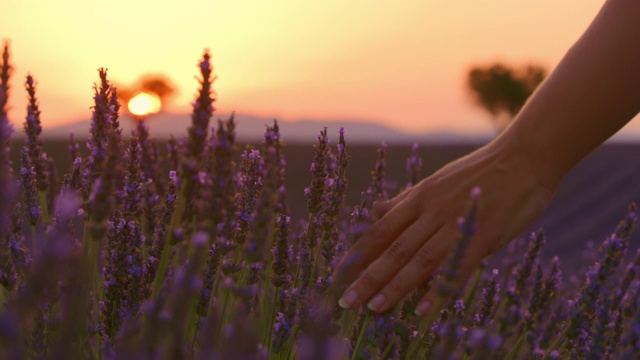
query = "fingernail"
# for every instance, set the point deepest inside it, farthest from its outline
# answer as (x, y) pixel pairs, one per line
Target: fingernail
(348, 299)
(423, 308)
(376, 303)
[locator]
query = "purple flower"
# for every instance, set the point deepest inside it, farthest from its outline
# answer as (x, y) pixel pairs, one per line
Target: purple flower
(281, 261)
(466, 229)
(33, 141)
(104, 188)
(434, 335)
(489, 299)
(134, 178)
(123, 274)
(590, 298)
(202, 111)
(318, 174)
(250, 187)
(101, 126)
(7, 187)
(523, 271)
(31, 197)
(414, 167)
(208, 279)
(378, 175)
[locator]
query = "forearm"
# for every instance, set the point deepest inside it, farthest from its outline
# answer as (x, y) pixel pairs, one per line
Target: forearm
(593, 92)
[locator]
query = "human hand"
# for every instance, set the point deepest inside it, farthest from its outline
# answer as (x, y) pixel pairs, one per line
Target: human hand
(416, 230)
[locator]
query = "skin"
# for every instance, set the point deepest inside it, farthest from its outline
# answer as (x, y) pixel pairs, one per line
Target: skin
(592, 93)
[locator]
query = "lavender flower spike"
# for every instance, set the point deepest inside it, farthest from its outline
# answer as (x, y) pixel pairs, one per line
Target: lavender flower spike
(202, 110)
(467, 228)
(6, 185)
(414, 167)
(33, 141)
(280, 252)
(29, 191)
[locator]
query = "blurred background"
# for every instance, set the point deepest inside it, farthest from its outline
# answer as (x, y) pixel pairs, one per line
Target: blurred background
(448, 75)
(401, 65)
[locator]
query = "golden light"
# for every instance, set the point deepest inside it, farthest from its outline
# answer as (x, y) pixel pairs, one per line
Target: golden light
(143, 104)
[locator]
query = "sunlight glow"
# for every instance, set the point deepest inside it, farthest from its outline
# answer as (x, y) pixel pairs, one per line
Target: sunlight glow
(143, 104)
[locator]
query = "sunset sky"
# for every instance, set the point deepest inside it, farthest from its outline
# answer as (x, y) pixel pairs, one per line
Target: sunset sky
(399, 63)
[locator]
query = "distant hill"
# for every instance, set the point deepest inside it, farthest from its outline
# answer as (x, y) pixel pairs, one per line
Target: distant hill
(251, 128)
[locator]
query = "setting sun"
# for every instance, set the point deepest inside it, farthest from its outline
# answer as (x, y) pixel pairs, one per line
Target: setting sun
(143, 104)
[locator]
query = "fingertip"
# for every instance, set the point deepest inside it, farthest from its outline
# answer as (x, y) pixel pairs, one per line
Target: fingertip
(423, 308)
(348, 299)
(377, 303)
(430, 303)
(381, 207)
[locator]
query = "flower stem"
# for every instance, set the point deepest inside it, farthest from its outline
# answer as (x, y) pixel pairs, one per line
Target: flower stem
(472, 289)
(34, 241)
(44, 207)
(516, 347)
(558, 344)
(361, 335)
(315, 260)
(386, 351)
(309, 225)
(165, 255)
(273, 317)
(418, 344)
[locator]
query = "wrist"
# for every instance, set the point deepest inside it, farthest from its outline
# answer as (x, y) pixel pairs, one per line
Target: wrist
(533, 156)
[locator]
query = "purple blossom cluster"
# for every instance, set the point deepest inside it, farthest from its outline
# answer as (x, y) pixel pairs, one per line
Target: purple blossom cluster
(125, 259)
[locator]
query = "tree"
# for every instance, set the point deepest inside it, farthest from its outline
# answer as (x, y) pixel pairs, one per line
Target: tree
(157, 84)
(503, 90)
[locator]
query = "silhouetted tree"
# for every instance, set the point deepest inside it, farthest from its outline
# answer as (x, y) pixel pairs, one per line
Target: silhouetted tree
(503, 90)
(157, 84)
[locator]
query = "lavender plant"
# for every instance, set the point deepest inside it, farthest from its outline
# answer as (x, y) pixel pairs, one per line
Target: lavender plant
(207, 261)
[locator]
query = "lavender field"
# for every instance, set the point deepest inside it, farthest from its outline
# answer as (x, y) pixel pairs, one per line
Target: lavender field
(588, 204)
(124, 247)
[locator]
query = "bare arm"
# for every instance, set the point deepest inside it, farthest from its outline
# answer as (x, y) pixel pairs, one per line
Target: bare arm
(591, 94)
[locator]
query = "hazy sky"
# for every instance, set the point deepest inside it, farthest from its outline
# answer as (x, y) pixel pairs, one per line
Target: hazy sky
(401, 63)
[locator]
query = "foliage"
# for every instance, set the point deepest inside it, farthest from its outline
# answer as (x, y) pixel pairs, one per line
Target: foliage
(207, 261)
(502, 90)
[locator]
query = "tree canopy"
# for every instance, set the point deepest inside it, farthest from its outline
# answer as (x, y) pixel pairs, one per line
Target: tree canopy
(503, 90)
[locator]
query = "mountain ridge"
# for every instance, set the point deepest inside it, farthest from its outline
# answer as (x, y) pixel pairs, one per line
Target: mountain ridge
(251, 128)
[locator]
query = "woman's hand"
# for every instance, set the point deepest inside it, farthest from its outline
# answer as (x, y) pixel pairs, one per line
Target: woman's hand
(417, 229)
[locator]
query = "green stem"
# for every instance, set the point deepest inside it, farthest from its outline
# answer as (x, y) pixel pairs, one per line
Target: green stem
(4, 296)
(294, 330)
(295, 281)
(558, 344)
(386, 351)
(516, 347)
(89, 259)
(223, 316)
(317, 256)
(165, 256)
(44, 206)
(472, 289)
(224, 311)
(34, 241)
(273, 317)
(361, 335)
(292, 341)
(417, 345)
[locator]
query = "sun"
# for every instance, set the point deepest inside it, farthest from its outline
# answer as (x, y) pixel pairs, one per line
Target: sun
(143, 104)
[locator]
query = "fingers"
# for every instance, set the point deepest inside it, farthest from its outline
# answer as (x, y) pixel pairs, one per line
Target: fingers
(434, 298)
(424, 262)
(375, 241)
(380, 208)
(384, 269)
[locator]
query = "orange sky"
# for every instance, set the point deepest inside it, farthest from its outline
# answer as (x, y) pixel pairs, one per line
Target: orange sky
(400, 63)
